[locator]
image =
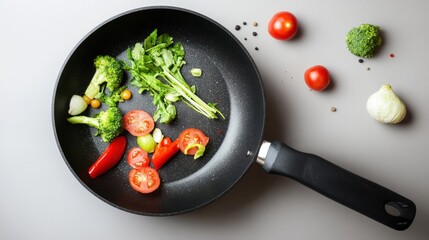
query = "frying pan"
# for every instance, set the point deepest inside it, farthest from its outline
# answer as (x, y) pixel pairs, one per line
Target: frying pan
(231, 79)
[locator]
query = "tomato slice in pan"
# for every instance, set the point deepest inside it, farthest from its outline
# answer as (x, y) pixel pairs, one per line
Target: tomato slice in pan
(190, 137)
(138, 158)
(144, 180)
(138, 122)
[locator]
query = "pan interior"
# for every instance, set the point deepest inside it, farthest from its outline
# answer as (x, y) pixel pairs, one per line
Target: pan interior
(229, 79)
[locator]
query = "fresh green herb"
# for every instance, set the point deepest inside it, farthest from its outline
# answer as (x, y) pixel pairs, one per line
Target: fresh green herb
(155, 67)
(108, 123)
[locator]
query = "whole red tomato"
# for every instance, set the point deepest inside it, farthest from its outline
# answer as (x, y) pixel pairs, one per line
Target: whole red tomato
(317, 77)
(283, 25)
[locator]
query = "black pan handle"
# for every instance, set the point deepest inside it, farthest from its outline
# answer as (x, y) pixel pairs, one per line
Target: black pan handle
(338, 184)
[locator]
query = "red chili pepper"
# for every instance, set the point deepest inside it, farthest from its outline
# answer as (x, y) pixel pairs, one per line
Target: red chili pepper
(164, 151)
(109, 158)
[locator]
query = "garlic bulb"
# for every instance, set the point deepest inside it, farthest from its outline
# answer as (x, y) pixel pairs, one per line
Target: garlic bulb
(77, 105)
(384, 106)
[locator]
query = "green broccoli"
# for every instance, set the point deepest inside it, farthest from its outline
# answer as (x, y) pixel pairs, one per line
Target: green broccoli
(107, 70)
(108, 123)
(114, 98)
(364, 40)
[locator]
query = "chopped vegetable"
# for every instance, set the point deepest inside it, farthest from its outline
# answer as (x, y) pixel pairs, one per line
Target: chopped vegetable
(77, 105)
(364, 40)
(109, 158)
(113, 98)
(138, 158)
(196, 72)
(107, 71)
(155, 67)
(199, 152)
(157, 135)
(144, 180)
(146, 142)
(384, 106)
(108, 123)
(164, 151)
(191, 140)
(138, 122)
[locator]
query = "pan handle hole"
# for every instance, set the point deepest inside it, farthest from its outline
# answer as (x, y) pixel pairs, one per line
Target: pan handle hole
(393, 209)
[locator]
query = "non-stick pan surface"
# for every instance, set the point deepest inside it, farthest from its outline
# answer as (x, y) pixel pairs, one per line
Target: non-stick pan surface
(230, 78)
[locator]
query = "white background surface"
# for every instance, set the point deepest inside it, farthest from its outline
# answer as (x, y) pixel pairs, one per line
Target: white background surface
(41, 199)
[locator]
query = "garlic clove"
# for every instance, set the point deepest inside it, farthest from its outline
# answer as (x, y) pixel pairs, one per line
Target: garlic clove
(77, 105)
(384, 106)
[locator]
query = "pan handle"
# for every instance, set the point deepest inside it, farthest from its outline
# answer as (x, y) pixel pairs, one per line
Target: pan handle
(338, 184)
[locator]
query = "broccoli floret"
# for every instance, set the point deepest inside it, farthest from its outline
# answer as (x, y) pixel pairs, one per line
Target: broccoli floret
(108, 123)
(107, 70)
(364, 40)
(114, 98)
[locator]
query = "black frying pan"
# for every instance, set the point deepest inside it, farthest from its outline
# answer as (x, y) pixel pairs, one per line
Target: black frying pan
(230, 78)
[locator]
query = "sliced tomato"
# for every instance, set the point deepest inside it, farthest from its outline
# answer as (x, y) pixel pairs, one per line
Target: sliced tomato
(164, 151)
(138, 158)
(191, 137)
(138, 122)
(144, 180)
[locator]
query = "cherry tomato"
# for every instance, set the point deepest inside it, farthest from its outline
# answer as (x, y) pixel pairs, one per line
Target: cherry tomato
(137, 158)
(191, 136)
(283, 25)
(109, 158)
(144, 180)
(164, 151)
(138, 122)
(317, 77)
